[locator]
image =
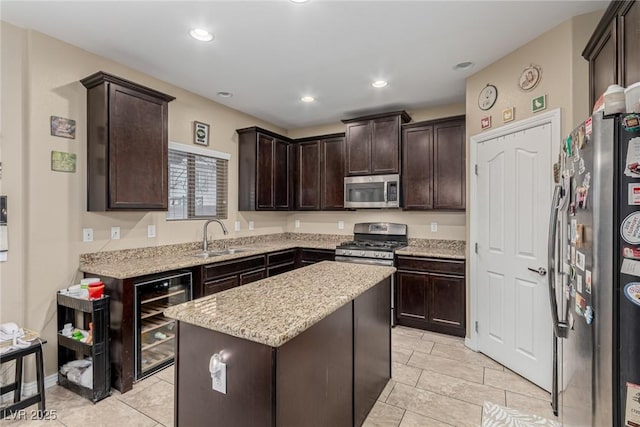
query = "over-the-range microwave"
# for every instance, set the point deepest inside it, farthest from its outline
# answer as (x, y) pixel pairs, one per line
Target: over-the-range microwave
(374, 191)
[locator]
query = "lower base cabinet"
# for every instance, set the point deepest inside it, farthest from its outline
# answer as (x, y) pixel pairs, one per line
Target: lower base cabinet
(329, 375)
(431, 294)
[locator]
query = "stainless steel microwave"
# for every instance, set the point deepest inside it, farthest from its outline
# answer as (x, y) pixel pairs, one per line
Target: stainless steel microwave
(375, 191)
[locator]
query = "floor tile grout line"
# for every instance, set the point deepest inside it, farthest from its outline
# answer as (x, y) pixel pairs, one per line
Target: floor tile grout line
(140, 412)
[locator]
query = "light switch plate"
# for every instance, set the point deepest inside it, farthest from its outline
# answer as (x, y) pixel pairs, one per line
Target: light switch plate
(115, 233)
(87, 234)
(151, 231)
(237, 225)
(251, 225)
(434, 227)
(297, 223)
(340, 225)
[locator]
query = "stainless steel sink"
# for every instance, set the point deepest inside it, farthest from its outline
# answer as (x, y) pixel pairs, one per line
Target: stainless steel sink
(220, 252)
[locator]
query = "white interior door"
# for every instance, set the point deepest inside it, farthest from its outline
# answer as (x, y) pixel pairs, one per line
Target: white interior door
(514, 197)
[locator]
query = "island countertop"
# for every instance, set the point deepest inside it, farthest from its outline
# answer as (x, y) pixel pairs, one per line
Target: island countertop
(272, 311)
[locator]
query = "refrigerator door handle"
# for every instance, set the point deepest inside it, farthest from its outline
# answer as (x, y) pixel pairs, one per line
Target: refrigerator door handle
(559, 327)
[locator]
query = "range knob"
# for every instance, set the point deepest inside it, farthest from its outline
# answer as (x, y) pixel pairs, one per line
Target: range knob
(361, 253)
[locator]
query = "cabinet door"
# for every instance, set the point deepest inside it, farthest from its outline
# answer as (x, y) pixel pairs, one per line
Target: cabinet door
(417, 167)
(138, 150)
(630, 38)
(446, 302)
(264, 173)
(281, 176)
(219, 285)
(385, 146)
(308, 176)
(449, 166)
(332, 189)
(412, 299)
(358, 149)
(603, 65)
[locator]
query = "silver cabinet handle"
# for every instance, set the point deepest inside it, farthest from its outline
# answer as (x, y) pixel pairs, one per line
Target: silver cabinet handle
(540, 270)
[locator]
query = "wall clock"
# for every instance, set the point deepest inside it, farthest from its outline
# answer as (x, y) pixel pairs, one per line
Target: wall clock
(487, 97)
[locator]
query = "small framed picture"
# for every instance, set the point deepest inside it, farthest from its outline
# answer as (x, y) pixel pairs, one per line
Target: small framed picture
(508, 114)
(539, 103)
(485, 122)
(200, 133)
(63, 162)
(65, 128)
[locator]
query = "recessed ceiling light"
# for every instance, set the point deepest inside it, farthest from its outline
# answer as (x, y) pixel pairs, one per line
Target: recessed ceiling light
(463, 65)
(299, 1)
(379, 83)
(224, 94)
(307, 99)
(201, 35)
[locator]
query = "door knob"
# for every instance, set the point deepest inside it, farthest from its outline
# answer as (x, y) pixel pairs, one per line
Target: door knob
(541, 270)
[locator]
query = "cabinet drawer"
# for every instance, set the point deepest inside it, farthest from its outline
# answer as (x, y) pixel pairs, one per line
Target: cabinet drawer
(309, 256)
(252, 276)
(282, 268)
(215, 286)
(431, 265)
(281, 257)
(233, 267)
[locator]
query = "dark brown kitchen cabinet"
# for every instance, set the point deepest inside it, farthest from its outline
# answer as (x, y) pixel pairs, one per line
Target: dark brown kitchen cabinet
(434, 165)
(127, 145)
(265, 178)
(281, 262)
(430, 294)
(613, 51)
(312, 256)
(373, 144)
(319, 183)
(220, 276)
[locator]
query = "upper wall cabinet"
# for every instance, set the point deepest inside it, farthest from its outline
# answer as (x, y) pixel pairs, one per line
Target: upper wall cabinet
(613, 51)
(373, 144)
(265, 181)
(433, 165)
(127, 141)
(319, 171)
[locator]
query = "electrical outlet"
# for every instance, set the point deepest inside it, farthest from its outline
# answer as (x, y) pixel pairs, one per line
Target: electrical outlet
(297, 223)
(151, 231)
(340, 225)
(115, 233)
(87, 234)
(218, 371)
(237, 225)
(251, 225)
(434, 227)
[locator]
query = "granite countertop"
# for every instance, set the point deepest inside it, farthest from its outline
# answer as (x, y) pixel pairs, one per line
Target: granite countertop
(273, 311)
(128, 263)
(431, 252)
(141, 266)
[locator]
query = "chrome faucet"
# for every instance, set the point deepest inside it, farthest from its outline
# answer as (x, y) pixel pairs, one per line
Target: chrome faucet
(205, 243)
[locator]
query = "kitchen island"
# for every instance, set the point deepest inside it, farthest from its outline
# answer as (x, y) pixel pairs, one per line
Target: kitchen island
(307, 347)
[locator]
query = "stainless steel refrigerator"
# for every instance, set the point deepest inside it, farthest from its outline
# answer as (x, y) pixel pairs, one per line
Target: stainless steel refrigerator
(594, 250)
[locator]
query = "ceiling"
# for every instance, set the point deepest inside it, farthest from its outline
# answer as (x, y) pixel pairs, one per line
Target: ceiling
(269, 54)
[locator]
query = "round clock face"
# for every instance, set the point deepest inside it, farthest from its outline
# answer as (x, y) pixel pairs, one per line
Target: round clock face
(487, 97)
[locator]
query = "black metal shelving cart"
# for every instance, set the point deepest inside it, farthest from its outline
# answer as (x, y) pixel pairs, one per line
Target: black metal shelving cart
(81, 312)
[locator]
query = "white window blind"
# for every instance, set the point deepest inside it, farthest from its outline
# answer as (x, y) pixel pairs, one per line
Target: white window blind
(198, 182)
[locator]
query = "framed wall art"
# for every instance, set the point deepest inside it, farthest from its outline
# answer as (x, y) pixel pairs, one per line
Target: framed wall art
(64, 128)
(200, 133)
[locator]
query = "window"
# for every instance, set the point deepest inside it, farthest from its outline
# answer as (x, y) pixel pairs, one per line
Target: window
(197, 183)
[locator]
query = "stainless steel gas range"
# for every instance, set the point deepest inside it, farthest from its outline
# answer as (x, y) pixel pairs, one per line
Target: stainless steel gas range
(375, 243)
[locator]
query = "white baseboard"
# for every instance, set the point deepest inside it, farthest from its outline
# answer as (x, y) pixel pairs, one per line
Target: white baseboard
(29, 389)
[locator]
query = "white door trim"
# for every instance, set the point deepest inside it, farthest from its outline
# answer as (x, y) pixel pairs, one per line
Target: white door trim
(553, 118)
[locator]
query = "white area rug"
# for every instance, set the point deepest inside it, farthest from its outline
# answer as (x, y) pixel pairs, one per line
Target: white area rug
(498, 416)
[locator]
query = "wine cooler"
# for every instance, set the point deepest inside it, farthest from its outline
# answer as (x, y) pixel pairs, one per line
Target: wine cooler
(155, 334)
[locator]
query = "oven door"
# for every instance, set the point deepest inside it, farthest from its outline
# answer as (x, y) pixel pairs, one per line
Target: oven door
(379, 191)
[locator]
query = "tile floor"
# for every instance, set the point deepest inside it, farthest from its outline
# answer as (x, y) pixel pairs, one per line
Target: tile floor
(436, 381)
